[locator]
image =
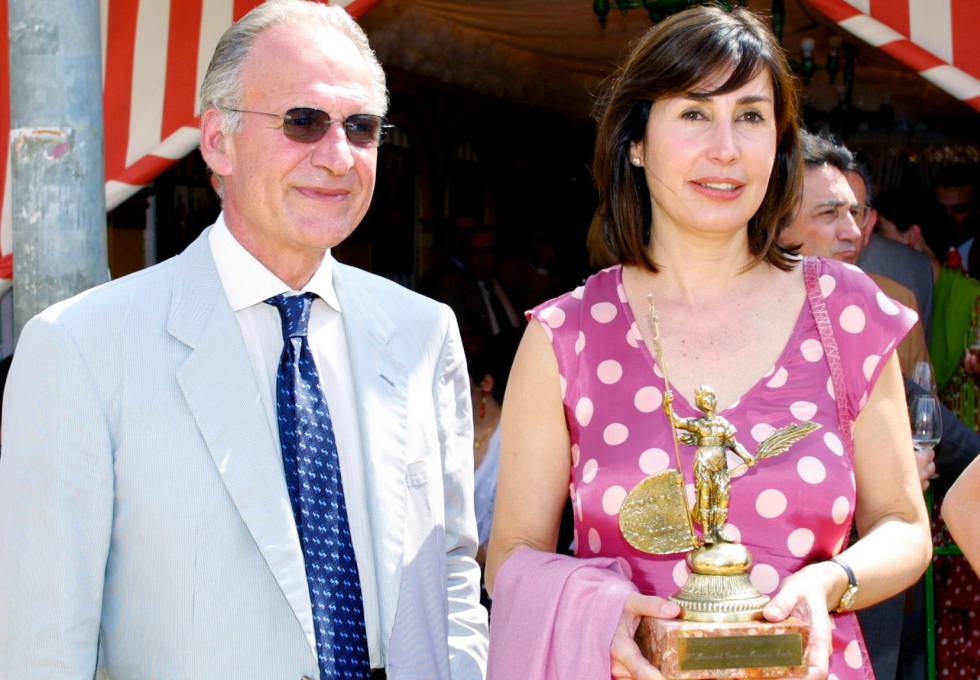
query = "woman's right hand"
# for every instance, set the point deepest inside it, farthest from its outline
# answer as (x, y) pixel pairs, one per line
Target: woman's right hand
(628, 663)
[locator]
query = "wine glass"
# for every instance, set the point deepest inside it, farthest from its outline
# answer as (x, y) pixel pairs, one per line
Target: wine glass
(927, 424)
(923, 376)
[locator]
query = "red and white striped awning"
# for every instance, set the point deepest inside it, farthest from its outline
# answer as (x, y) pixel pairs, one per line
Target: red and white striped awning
(154, 56)
(939, 39)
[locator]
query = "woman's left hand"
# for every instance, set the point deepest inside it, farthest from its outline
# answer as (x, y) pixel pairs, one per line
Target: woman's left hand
(804, 596)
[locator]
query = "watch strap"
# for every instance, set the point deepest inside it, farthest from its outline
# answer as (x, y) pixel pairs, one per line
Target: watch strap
(850, 593)
(851, 578)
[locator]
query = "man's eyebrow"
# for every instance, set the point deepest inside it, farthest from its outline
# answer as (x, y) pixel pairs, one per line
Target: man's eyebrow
(832, 203)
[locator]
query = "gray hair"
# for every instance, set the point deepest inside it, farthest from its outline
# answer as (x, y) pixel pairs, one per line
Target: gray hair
(221, 88)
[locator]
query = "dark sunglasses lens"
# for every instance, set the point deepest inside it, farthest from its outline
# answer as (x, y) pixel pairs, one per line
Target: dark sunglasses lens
(364, 129)
(305, 125)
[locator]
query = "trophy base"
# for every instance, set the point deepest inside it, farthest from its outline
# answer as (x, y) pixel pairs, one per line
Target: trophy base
(694, 650)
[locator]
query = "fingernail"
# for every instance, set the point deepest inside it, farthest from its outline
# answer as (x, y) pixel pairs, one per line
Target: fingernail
(774, 611)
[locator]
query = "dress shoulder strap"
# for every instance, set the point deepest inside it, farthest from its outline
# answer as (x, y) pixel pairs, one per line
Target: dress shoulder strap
(818, 306)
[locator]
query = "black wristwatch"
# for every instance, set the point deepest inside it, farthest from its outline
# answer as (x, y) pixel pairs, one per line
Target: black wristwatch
(847, 599)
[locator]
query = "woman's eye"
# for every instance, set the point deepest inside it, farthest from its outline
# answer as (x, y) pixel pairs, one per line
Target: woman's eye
(752, 117)
(693, 114)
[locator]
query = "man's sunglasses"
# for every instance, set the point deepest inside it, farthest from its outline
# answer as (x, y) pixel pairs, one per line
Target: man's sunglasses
(308, 126)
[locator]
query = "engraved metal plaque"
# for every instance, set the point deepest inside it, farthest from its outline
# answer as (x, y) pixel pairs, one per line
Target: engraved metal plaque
(739, 651)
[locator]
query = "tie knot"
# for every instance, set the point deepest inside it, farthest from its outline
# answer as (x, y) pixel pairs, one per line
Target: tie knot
(294, 312)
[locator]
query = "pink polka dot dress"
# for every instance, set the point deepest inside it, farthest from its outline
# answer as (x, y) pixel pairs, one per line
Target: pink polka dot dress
(790, 510)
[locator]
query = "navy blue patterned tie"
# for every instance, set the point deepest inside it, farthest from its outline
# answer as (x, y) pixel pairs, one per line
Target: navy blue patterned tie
(316, 491)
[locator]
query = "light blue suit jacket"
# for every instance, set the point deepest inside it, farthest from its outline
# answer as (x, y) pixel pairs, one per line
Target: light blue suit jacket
(145, 528)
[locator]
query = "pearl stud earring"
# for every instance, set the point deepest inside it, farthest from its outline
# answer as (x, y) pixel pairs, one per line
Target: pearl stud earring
(636, 162)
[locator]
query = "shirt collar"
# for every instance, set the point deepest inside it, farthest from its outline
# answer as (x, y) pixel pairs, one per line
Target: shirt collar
(248, 282)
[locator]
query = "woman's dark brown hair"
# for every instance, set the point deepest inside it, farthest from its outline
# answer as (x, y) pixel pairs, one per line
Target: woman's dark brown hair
(676, 57)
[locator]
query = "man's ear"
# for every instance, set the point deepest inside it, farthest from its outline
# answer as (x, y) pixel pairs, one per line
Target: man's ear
(215, 144)
(872, 218)
(913, 237)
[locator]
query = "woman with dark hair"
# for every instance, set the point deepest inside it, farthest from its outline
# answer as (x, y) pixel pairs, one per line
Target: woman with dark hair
(698, 170)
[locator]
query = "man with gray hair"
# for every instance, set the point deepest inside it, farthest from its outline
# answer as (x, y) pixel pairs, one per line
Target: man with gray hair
(249, 461)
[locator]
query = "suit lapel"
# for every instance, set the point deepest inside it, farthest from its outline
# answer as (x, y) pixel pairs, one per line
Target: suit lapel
(381, 390)
(220, 389)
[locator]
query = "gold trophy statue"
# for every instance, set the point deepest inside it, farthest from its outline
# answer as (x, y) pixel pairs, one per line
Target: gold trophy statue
(720, 632)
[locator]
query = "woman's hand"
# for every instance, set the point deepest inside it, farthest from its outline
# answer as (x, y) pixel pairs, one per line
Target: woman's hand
(804, 595)
(628, 663)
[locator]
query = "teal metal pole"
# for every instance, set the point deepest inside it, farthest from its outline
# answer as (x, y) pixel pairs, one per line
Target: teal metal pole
(56, 152)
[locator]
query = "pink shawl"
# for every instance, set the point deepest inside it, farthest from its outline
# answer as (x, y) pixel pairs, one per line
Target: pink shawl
(554, 616)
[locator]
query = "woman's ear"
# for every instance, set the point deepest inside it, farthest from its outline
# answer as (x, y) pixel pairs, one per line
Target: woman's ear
(636, 153)
(215, 143)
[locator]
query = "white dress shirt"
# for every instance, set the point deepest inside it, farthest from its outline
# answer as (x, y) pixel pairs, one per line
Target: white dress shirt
(247, 284)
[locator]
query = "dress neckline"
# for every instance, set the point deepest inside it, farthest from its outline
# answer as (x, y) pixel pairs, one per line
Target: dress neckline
(679, 397)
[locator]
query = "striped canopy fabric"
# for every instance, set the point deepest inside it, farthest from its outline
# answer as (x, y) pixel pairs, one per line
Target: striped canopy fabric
(154, 56)
(936, 38)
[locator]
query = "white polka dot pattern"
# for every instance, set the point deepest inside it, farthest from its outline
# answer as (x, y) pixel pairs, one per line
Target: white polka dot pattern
(765, 578)
(840, 510)
(827, 285)
(800, 542)
(833, 443)
(603, 312)
(762, 430)
(869, 365)
(812, 350)
(886, 304)
(633, 336)
(680, 574)
(789, 508)
(648, 399)
(653, 461)
(609, 371)
(590, 470)
(553, 316)
(613, 499)
(584, 411)
(595, 542)
(615, 434)
(770, 503)
(803, 410)
(778, 379)
(811, 470)
(852, 319)
(852, 654)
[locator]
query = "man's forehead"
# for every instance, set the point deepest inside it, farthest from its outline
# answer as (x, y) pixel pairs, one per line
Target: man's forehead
(290, 61)
(856, 182)
(826, 185)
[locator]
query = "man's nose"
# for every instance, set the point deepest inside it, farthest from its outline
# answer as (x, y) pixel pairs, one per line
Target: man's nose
(847, 229)
(333, 151)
